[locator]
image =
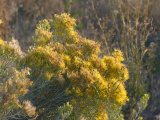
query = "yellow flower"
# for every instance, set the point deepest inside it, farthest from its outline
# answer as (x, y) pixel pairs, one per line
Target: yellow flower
(118, 55)
(1, 42)
(1, 21)
(49, 75)
(73, 101)
(101, 114)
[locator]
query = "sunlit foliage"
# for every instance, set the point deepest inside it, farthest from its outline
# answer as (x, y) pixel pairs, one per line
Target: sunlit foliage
(95, 84)
(13, 84)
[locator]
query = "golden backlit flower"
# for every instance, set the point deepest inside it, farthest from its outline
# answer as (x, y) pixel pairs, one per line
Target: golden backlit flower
(29, 109)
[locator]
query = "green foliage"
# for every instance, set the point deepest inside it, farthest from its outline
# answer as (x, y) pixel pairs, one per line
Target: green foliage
(142, 104)
(64, 111)
(67, 68)
(79, 26)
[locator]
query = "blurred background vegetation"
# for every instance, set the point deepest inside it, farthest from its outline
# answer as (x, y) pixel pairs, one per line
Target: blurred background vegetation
(132, 26)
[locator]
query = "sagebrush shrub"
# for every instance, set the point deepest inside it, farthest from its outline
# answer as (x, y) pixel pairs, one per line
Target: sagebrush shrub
(68, 62)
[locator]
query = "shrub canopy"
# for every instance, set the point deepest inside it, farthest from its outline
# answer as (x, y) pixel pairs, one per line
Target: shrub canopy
(59, 54)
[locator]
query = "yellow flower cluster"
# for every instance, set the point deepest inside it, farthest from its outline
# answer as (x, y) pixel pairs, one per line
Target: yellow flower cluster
(4, 48)
(64, 26)
(1, 42)
(42, 34)
(115, 68)
(13, 86)
(11, 49)
(102, 115)
(94, 80)
(1, 21)
(16, 85)
(13, 83)
(44, 58)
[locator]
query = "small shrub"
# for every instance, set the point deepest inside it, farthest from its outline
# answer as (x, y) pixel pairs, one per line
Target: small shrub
(142, 104)
(13, 85)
